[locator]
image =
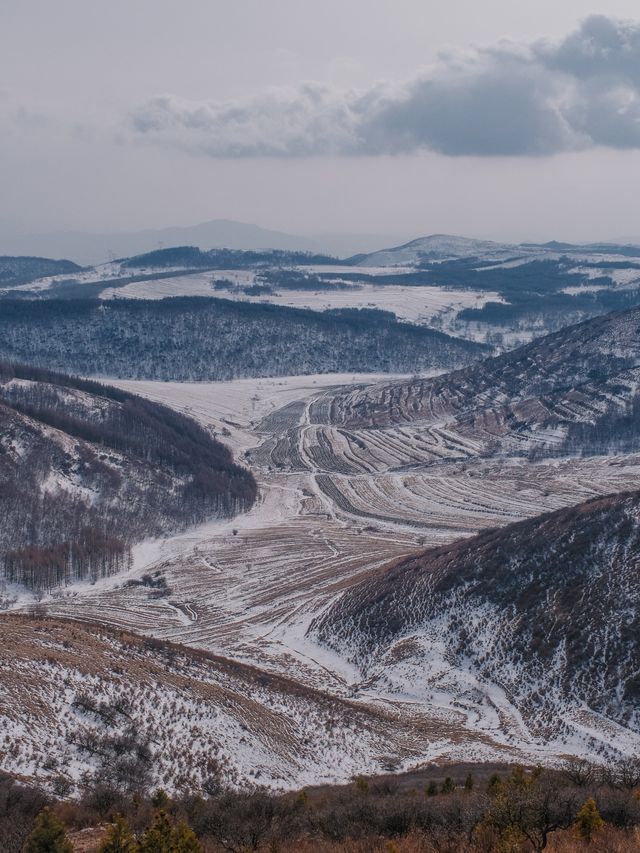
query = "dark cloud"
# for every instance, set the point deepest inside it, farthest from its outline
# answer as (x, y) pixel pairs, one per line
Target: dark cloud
(507, 100)
(602, 47)
(503, 107)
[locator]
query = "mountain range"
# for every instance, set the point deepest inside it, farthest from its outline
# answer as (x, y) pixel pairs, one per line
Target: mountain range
(369, 250)
(90, 249)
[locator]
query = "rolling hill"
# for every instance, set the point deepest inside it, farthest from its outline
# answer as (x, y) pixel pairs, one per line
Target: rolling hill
(574, 391)
(200, 338)
(86, 469)
(16, 271)
(544, 613)
(437, 247)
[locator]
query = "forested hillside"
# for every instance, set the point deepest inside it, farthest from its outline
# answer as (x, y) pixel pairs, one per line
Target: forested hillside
(547, 609)
(195, 258)
(21, 270)
(200, 338)
(574, 391)
(85, 470)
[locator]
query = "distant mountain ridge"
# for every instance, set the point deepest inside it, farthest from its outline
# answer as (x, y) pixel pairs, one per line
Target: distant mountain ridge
(447, 246)
(92, 249)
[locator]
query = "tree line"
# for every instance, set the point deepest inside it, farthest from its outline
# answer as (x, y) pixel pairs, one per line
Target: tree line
(202, 338)
(465, 808)
(92, 460)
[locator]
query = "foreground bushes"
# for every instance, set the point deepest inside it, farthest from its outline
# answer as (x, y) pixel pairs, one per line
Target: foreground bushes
(515, 811)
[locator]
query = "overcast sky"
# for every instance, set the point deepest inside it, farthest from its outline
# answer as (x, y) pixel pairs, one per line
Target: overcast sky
(500, 118)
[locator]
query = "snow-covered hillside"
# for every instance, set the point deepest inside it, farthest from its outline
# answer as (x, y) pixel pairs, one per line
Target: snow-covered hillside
(86, 470)
(572, 391)
(543, 613)
(192, 339)
(438, 247)
(500, 294)
(76, 698)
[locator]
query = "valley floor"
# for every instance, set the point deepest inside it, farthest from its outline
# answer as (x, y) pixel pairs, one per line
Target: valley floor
(248, 588)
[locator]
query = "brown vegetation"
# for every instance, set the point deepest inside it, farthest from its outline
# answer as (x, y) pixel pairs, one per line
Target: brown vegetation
(518, 811)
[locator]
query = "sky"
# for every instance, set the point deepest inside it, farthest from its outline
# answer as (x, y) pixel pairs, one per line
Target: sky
(502, 119)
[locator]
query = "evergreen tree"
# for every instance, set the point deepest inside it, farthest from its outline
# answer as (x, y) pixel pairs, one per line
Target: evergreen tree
(448, 786)
(184, 840)
(163, 837)
(588, 820)
(157, 837)
(495, 784)
(160, 799)
(468, 783)
(48, 836)
(119, 839)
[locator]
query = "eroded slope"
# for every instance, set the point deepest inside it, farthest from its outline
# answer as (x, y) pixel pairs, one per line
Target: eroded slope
(546, 609)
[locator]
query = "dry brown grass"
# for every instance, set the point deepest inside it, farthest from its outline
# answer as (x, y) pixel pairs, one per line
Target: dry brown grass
(45, 662)
(88, 840)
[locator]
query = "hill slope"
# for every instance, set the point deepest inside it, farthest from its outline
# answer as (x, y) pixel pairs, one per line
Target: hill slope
(199, 338)
(547, 610)
(435, 247)
(77, 698)
(86, 469)
(15, 271)
(575, 390)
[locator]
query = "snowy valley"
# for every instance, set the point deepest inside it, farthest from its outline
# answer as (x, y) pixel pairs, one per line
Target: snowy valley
(257, 621)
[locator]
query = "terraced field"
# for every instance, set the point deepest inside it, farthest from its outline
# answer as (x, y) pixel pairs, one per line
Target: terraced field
(332, 505)
(354, 472)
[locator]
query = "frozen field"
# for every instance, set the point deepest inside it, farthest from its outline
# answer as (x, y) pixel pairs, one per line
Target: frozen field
(414, 304)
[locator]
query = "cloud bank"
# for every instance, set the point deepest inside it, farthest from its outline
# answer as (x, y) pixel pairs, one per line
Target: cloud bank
(509, 99)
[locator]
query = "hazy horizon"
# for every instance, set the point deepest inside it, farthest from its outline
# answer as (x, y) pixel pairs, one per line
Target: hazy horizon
(400, 119)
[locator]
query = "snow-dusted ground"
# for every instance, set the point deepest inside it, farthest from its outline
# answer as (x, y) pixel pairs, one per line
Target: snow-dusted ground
(237, 406)
(440, 247)
(203, 718)
(248, 588)
(420, 305)
(86, 276)
(433, 306)
(191, 284)
(413, 304)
